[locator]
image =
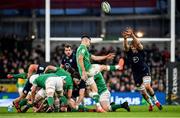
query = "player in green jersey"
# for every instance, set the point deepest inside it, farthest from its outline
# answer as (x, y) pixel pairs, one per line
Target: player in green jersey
(105, 95)
(88, 70)
(53, 82)
(78, 88)
(33, 68)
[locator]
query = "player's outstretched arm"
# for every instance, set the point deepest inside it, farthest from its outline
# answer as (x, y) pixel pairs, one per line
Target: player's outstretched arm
(100, 58)
(32, 68)
(16, 76)
(125, 43)
(33, 92)
(69, 93)
(50, 68)
(135, 39)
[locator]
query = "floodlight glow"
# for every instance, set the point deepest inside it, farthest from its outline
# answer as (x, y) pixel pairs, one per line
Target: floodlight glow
(140, 34)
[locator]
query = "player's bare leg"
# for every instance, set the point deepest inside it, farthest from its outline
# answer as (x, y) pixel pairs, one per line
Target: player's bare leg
(152, 94)
(94, 94)
(50, 99)
(149, 89)
(38, 98)
(147, 98)
(107, 106)
(17, 100)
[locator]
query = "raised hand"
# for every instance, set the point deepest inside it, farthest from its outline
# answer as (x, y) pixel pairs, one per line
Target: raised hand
(129, 31)
(125, 34)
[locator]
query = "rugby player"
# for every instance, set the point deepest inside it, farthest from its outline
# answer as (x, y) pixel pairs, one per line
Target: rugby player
(87, 71)
(140, 69)
(33, 68)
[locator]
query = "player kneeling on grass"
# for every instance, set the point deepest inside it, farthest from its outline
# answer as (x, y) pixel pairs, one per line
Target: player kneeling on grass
(105, 95)
(140, 69)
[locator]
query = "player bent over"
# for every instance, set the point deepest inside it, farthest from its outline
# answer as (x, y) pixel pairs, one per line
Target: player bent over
(52, 83)
(140, 69)
(78, 86)
(33, 68)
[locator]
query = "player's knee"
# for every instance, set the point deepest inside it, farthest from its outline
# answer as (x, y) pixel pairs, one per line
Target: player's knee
(143, 92)
(50, 92)
(94, 88)
(147, 86)
(105, 105)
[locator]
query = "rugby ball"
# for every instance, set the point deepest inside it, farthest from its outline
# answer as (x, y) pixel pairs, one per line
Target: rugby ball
(105, 6)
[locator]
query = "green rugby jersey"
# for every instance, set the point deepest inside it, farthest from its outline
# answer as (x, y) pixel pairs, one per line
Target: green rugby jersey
(82, 50)
(41, 80)
(67, 77)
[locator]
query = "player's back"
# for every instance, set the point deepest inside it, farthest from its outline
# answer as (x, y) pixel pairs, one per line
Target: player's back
(67, 77)
(41, 80)
(41, 68)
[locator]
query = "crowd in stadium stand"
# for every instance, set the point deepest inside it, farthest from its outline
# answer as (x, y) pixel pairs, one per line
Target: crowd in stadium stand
(16, 53)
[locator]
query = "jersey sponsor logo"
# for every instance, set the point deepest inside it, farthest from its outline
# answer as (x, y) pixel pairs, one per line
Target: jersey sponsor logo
(70, 60)
(83, 51)
(41, 68)
(135, 59)
(67, 65)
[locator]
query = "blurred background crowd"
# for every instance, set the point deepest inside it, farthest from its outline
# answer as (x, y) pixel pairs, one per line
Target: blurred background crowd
(15, 54)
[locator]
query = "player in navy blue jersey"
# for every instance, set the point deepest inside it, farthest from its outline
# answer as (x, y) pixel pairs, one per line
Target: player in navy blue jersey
(69, 59)
(140, 69)
(69, 64)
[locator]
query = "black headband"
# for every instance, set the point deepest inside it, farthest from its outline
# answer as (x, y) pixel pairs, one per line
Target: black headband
(85, 36)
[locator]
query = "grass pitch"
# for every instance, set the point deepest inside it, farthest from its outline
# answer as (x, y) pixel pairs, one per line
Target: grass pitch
(136, 112)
